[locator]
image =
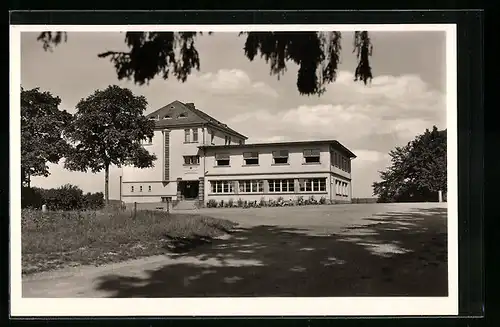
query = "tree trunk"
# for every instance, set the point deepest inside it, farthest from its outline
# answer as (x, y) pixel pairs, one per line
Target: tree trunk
(106, 185)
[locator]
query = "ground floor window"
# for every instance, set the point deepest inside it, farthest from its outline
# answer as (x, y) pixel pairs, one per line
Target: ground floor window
(341, 188)
(222, 186)
(312, 184)
(251, 186)
(281, 185)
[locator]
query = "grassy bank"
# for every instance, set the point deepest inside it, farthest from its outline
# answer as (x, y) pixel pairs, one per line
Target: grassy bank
(59, 239)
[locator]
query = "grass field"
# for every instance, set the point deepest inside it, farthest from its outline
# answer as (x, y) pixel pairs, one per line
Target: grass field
(59, 239)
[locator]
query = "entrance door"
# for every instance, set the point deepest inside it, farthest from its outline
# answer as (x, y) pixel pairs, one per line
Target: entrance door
(189, 189)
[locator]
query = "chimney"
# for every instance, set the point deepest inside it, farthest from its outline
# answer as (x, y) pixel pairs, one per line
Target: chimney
(190, 105)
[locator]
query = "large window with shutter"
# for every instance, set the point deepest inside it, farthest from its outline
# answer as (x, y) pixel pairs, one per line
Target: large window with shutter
(311, 155)
(280, 157)
(222, 159)
(251, 158)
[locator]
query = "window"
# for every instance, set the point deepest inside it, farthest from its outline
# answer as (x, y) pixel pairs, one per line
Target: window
(225, 140)
(187, 134)
(149, 188)
(132, 189)
(140, 188)
(312, 185)
(212, 136)
(222, 186)
(229, 140)
(341, 188)
(280, 157)
(312, 155)
(167, 117)
(281, 185)
(251, 158)
(251, 186)
(222, 159)
(191, 160)
(195, 135)
(183, 115)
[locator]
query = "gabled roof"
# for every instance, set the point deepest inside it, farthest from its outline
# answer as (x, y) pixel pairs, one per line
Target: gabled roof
(178, 114)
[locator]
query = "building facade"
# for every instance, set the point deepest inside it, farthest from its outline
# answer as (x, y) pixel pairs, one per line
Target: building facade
(200, 158)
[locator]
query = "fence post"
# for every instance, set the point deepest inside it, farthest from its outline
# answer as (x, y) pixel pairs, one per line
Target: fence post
(168, 206)
(440, 196)
(135, 209)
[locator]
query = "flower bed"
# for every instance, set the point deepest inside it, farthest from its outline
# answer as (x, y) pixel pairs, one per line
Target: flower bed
(280, 202)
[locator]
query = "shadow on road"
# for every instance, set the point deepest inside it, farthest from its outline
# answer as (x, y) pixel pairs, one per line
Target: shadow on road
(395, 254)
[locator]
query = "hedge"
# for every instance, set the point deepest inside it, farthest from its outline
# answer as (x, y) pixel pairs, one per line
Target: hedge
(66, 197)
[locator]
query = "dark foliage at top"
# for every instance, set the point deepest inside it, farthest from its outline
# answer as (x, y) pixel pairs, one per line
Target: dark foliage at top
(163, 54)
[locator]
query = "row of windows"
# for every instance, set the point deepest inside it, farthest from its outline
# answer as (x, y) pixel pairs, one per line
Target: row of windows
(340, 161)
(132, 188)
(279, 157)
(341, 188)
(274, 185)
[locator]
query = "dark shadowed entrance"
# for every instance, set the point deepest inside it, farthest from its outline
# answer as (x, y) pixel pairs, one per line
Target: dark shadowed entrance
(189, 189)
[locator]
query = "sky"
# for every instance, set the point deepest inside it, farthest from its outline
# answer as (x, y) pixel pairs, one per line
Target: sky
(406, 96)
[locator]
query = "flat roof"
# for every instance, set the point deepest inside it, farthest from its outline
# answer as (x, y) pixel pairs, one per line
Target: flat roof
(335, 143)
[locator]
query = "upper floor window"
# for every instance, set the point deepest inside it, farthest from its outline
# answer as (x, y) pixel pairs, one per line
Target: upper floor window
(312, 155)
(191, 160)
(222, 159)
(195, 135)
(251, 158)
(225, 140)
(187, 135)
(183, 115)
(140, 188)
(212, 137)
(132, 189)
(280, 157)
(167, 117)
(149, 188)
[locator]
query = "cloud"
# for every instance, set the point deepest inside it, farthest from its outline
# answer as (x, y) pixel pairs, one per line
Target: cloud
(370, 156)
(234, 82)
(403, 106)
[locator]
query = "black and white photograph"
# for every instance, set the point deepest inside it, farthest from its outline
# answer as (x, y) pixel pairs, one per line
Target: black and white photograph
(234, 170)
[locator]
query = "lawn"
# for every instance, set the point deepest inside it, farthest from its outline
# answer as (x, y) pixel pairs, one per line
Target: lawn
(59, 239)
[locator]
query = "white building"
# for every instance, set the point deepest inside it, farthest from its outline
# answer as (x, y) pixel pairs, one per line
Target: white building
(200, 158)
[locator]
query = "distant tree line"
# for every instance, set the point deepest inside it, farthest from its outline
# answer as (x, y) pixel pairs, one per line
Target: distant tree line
(66, 197)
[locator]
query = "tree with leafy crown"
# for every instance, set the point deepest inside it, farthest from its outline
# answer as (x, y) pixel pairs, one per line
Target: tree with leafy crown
(163, 54)
(418, 170)
(42, 139)
(107, 129)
